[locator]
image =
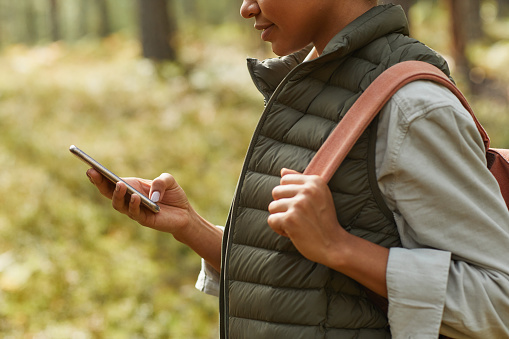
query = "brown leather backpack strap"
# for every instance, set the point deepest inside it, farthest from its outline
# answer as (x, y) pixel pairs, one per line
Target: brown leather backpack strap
(368, 105)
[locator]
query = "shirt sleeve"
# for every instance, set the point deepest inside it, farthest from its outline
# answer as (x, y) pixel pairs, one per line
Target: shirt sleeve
(208, 279)
(452, 273)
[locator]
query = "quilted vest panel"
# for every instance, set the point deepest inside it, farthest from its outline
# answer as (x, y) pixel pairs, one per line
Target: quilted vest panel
(270, 290)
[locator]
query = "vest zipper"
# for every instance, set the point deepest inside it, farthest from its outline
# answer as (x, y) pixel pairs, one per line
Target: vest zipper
(269, 101)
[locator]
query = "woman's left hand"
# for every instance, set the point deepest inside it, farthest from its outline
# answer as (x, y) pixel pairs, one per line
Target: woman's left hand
(303, 210)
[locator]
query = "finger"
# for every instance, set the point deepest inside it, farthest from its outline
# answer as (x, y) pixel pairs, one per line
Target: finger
(104, 185)
(292, 177)
(118, 200)
(134, 206)
(159, 185)
(285, 191)
(276, 224)
(301, 179)
(286, 171)
(278, 206)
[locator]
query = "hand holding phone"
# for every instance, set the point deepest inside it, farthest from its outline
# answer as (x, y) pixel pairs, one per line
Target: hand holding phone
(152, 206)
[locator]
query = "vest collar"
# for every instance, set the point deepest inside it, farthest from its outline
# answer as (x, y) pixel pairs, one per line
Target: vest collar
(375, 23)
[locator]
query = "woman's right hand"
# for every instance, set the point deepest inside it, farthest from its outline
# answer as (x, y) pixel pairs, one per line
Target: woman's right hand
(175, 215)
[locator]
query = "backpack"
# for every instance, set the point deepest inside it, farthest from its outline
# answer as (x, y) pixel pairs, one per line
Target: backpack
(368, 105)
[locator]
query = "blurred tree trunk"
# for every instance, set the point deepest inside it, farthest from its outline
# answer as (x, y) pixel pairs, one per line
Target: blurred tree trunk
(458, 11)
(54, 20)
(104, 22)
(475, 29)
(30, 18)
(503, 8)
(157, 29)
(83, 18)
(1, 24)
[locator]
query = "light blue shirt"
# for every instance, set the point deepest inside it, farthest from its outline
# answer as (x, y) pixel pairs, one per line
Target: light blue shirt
(452, 274)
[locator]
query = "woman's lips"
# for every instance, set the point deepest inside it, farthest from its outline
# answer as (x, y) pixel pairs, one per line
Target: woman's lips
(266, 32)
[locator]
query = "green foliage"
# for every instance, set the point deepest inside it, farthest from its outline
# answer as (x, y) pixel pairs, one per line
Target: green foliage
(70, 266)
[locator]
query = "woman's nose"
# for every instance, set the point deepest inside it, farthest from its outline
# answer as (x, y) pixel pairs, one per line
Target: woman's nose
(249, 9)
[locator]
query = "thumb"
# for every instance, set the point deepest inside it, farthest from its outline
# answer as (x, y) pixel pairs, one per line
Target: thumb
(285, 171)
(160, 185)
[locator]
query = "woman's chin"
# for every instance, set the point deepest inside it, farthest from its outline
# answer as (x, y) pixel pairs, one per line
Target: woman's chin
(282, 50)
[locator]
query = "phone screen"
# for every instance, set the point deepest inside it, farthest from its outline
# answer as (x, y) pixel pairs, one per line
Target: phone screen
(113, 177)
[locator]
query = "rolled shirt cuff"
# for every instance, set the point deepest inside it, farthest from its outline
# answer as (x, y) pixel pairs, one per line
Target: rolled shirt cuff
(417, 284)
(208, 279)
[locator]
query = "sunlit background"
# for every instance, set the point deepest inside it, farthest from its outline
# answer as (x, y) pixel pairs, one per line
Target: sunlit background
(74, 72)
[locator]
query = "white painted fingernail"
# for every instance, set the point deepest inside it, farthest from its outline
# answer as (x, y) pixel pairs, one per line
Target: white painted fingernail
(155, 196)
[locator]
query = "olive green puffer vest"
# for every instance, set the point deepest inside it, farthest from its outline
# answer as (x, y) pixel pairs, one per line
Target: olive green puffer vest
(269, 290)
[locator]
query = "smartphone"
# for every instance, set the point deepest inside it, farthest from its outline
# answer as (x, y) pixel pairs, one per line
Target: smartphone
(113, 177)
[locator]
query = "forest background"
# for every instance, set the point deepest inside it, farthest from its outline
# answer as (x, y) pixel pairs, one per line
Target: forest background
(146, 87)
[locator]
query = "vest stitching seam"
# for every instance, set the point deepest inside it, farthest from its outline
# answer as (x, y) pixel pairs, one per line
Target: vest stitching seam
(344, 226)
(285, 287)
(319, 325)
